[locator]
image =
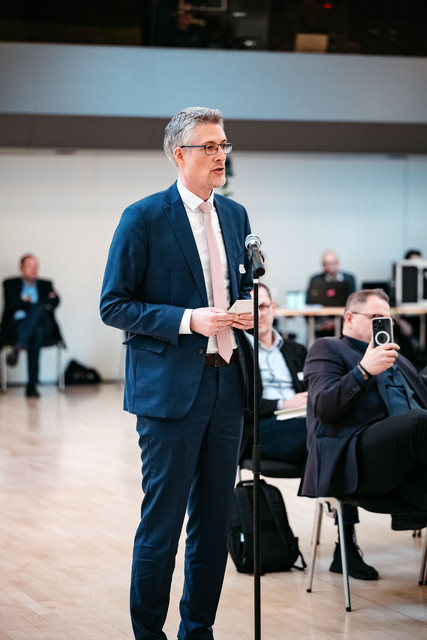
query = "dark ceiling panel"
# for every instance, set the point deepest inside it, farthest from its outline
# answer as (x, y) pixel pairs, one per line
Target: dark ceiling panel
(68, 132)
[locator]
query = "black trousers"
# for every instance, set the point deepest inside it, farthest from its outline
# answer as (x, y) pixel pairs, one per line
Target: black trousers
(31, 333)
(392, 457)
(285, 440)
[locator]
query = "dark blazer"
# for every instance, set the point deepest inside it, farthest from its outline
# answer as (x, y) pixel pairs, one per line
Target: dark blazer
(12, 288)
(338, 409)
(153, 274)
(294, 355)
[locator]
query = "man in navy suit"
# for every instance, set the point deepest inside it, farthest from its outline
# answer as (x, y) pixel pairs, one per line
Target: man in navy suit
(188, 399)
(366, 412)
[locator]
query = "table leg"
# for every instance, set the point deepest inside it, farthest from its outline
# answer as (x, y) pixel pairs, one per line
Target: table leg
(422, 332)
(311, 334)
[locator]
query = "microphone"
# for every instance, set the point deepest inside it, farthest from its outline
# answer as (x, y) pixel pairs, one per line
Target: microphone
(252, 244)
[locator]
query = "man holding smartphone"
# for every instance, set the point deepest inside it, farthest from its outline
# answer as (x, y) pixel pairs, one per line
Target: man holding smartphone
(281, 363)
(366, 412)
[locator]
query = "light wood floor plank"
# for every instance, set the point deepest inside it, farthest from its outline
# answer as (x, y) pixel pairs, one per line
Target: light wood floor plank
(69, 504)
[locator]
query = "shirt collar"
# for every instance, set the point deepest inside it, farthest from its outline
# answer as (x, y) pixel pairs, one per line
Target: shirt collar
(277, 341)
(338, 278)
(190, 199)
(356, 344)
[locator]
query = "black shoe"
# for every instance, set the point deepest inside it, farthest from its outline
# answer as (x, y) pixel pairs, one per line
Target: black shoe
(356, 567)
(12, 358)
(32, 391)
(408, 521)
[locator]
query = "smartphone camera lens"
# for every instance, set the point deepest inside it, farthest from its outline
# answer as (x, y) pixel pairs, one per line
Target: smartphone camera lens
(382, 337)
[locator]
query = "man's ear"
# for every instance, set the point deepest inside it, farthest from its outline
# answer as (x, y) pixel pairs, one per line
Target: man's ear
(348, 317)
(178, 154)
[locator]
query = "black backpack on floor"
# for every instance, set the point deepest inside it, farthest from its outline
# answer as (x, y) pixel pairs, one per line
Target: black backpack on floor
(278, 546)
(77, 373)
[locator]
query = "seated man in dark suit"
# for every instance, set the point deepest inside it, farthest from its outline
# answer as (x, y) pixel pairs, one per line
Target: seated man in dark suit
(281, 364)
(331, 272)
(366, 412)
(28, 322)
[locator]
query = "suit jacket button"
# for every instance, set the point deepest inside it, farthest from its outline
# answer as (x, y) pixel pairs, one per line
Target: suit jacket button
(201, 352)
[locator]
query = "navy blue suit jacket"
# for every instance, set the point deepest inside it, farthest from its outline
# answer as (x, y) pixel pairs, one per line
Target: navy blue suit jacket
(153, 274)
(338, 408)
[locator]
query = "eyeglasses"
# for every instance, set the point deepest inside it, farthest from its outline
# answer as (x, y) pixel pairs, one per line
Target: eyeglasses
(210, 149)
(263, 307)
(371, 316)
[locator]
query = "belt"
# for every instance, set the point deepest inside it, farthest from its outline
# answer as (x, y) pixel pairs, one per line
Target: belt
(215, 360)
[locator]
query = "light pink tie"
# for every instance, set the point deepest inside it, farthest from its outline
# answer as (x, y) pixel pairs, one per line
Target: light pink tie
(225, 348)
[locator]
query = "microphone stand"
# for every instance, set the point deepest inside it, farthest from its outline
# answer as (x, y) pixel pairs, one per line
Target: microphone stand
(256, 457)
(256, 259)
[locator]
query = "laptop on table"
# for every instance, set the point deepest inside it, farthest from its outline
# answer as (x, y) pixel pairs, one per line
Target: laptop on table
(328, 294)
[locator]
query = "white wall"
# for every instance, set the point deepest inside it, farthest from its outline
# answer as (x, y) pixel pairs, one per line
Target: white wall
(157, 82)
(65, 208)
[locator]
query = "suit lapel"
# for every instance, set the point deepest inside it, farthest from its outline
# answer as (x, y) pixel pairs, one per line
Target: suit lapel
(227, 236)
(414, 382)
(382, 390)
(177, 216)
(291, 366)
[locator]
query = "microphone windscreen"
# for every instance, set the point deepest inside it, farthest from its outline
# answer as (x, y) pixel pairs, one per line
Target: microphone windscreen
(252, 239)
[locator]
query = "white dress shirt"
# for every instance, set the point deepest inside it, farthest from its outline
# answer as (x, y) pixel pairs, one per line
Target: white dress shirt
(195, 217)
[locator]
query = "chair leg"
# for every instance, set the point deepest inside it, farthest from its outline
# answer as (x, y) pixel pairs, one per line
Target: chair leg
(3, 370)
(318, 514)
(423, 568)
(59, 369)
(317, 524)
(343, 556)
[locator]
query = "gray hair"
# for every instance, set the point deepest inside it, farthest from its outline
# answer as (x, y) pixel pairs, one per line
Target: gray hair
(360, 297)
(178, 130)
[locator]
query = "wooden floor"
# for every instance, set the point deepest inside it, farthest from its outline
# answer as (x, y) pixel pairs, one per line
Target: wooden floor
(69, 506)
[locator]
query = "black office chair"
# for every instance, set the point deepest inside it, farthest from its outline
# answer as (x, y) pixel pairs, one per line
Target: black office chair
(274, 468)
(377, 504)
(60, 347)
(8, 341)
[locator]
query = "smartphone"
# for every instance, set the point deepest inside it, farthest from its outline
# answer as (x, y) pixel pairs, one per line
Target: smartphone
(382, 331)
